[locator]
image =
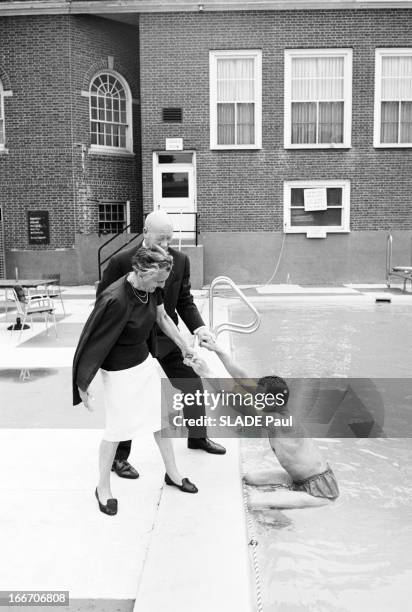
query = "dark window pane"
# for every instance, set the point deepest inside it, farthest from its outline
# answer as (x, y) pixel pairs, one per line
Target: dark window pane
(334, 196)
(245, 123)
(406, 122)
(389, 122)
(303, 122)
(175, 185)
(332, 216)
(175, 158)
(297, 197)
(330, 122)
(225, 124)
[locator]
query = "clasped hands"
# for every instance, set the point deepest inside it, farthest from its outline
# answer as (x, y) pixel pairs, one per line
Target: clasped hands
(192, 359)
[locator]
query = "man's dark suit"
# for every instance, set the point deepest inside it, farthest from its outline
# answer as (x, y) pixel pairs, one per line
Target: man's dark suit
(177, 300)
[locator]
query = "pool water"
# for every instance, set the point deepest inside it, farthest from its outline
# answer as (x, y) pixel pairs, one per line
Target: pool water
(355, 554)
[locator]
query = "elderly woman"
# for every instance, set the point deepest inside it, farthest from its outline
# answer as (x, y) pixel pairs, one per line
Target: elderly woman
(115, 339)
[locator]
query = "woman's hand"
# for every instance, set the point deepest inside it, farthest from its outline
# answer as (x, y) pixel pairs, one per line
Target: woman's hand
(87, 399)
(199, 365)
(188, 352)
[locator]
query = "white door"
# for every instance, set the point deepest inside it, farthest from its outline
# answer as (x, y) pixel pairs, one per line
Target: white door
(174, 191)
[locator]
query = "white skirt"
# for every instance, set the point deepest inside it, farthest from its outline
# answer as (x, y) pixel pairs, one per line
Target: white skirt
(132, 401)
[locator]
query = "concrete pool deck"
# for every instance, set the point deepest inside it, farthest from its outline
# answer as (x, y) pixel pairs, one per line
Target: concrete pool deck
(164, 550)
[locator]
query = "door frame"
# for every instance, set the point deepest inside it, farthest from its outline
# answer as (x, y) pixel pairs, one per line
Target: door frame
(155, 175)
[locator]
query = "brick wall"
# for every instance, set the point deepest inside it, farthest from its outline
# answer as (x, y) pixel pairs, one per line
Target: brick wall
(48, 61)
(243, 190)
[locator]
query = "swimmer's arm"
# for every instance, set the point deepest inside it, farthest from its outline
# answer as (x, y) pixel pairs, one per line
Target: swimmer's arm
(235, 370)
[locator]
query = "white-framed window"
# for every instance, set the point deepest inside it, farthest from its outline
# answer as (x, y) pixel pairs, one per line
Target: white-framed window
(316, 207)
(114, 217)
(393, 98)
(2, 128)
(236, 99)
(318, 98)
(110, 104)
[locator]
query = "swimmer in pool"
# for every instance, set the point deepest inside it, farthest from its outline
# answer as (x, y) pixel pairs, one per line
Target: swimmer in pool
(306, 479)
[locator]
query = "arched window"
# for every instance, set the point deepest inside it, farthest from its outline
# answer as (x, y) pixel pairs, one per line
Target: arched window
(110, 113)
(2, 131)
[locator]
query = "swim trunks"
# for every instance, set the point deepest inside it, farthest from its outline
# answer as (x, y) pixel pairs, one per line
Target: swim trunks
(319, 485)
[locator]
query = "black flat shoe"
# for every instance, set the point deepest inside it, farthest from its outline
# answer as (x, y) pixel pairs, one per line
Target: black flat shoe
(207, 445)
(122, 468)
(186, 486)
(110, 508)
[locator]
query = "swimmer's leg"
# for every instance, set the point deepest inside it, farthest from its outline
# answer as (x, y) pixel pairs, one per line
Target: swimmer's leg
(267, 477)
(284, 500)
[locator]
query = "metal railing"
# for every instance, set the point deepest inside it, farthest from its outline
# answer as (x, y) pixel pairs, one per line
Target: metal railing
(101, 262)
(179, 232)
(402, 272)
(241, 328)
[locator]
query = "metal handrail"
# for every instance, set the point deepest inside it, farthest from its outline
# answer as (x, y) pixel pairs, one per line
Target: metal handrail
(101, 262)
(194, 231)
(241, 328)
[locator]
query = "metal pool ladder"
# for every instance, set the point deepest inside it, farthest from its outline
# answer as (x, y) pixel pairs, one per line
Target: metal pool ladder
(241, 328)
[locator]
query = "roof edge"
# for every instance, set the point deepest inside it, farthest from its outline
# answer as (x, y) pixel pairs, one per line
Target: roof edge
(78, 7)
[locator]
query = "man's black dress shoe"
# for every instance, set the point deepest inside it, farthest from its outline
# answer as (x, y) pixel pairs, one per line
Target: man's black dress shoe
(207, 445)
(186, 486)
(109, 508)
(124, 469)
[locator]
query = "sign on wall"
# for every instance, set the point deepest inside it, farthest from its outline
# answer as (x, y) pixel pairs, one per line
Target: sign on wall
(315, 199)
(174, 144)
(39, 227)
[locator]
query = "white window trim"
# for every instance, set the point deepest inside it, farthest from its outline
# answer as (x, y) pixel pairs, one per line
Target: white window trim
(4, 94)
(304, 229)
(213, 57)
(94, 148)
(126, 203)
(347, 106)
(379, 54)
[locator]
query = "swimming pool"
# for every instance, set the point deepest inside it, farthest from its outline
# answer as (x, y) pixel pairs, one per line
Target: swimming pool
(354, 555)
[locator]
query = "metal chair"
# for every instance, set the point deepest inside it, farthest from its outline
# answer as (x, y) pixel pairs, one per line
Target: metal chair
(51, 291)
(28, 306)
(403, 272)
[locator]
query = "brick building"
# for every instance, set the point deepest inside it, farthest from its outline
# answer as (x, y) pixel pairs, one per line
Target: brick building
(288, 132)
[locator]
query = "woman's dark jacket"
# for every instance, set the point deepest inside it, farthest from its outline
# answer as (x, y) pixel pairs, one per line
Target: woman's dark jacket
(102, 329)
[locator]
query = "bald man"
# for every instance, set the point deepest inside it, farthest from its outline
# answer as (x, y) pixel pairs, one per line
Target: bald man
(178, 300)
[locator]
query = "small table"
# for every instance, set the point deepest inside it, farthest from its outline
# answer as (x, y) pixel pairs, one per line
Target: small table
(28, 283)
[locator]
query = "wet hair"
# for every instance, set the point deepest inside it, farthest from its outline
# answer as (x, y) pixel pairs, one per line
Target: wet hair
(155, 258)
(275, 385)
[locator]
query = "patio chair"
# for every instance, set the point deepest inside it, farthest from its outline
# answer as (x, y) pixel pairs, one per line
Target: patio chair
(51, 291)
(28, 306)
(403, 272)
(8, 301)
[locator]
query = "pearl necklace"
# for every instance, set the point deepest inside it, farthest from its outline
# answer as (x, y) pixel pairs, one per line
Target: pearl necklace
(135, 290)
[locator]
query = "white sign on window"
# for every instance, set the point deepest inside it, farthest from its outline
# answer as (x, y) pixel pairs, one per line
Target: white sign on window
(174, 144)
(315, 199)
